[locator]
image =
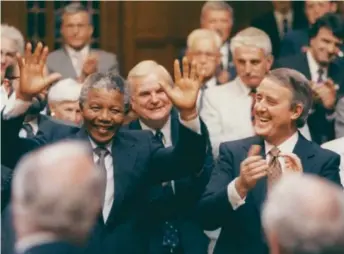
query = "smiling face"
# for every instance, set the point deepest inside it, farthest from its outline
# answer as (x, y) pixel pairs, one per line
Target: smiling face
(275, 116)
(103, 114)
(149, 100)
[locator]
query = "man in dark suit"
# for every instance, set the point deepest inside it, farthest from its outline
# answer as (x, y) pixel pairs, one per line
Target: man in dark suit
(248, 168)
(171, 203)
(218, 16)
(297, 41)
(319, 65)
(133, 160)
(61, 218)
(278, 22)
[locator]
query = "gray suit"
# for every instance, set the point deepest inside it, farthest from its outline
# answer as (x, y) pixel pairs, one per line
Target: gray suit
(59, 61)
(339, 122)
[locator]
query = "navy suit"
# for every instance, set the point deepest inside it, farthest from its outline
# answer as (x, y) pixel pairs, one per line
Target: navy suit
(293, 42)
(268, 24)
(321, 129)
(241, 229)
(139, 162)
(178, 207)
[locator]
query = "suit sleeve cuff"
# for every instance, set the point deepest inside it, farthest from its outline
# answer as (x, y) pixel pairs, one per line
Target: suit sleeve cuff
(194, 124)
(233, 196)
(15, 107)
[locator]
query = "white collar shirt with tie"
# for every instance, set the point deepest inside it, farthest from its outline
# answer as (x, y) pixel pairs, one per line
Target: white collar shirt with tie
(110, 182)
(279, 17)
(286, 147)
(314, 68)
(34, 125)
(78, 57)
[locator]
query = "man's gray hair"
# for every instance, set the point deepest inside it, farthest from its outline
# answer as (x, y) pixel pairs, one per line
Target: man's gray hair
(216, 6)
(300, 87)
(306, 214)
(74, 8)
(107, 81)
(48, 190)
(64, 90)
(201, 34)
(12, 33)
(252, 37)
(146, 67)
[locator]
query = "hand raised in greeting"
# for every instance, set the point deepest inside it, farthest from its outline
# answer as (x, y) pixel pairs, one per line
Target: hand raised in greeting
(31, 68)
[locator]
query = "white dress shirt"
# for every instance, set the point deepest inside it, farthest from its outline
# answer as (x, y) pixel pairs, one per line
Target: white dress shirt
(78, 57)
(224, 50)
(279, 17)
(211, 83)
(314, 68)
(110, 181)
(286, 147)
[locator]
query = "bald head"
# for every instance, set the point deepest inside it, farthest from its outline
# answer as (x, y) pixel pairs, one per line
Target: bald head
(304, 214)
(59, 189)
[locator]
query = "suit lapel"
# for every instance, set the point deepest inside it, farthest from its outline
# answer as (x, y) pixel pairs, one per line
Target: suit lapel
(304, 67)
(303, 151)
(174, 126)
(124, 157)
(67, 63)
(135, 125)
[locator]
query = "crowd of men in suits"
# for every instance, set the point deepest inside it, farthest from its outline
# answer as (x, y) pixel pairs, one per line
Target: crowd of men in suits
(241, 152)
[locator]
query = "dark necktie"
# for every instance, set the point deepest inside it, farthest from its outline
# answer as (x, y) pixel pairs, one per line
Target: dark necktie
(275, 168)
(253, 96)
(170, 238)
(285, 26)
(320, 76)
(29, 130)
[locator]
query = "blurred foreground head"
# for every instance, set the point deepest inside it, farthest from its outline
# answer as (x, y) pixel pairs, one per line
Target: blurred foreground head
(304, 214)
(58, 192)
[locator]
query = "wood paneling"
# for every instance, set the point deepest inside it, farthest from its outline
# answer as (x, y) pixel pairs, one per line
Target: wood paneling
(141, 30)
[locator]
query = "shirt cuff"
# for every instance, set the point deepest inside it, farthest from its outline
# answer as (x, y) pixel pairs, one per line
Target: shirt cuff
(15, 107)
(194, 124)
(233, 196)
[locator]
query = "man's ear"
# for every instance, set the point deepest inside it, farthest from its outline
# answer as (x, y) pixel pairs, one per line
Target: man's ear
(297, 111)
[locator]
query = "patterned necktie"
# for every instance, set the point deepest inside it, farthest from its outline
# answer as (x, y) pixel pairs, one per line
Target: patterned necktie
(253, 93)
(102, 152)
(170, 238)
(275, 168)
(320, 76)
(29, 130)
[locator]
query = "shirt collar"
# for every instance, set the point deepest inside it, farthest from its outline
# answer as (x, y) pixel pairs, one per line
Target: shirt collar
(286, 147)
(165, 129)
(28, 242)
(313, 64)
(72, 52)
(94, 145)
(211, 82)
(281, 16)
(224, 49)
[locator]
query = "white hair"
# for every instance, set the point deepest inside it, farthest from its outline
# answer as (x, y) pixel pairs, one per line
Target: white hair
(12, 33)
(251, 37)
(65, 90)
(201, 34)
(146, 67)
(306, 213)
(50, 186)
(216, 6)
